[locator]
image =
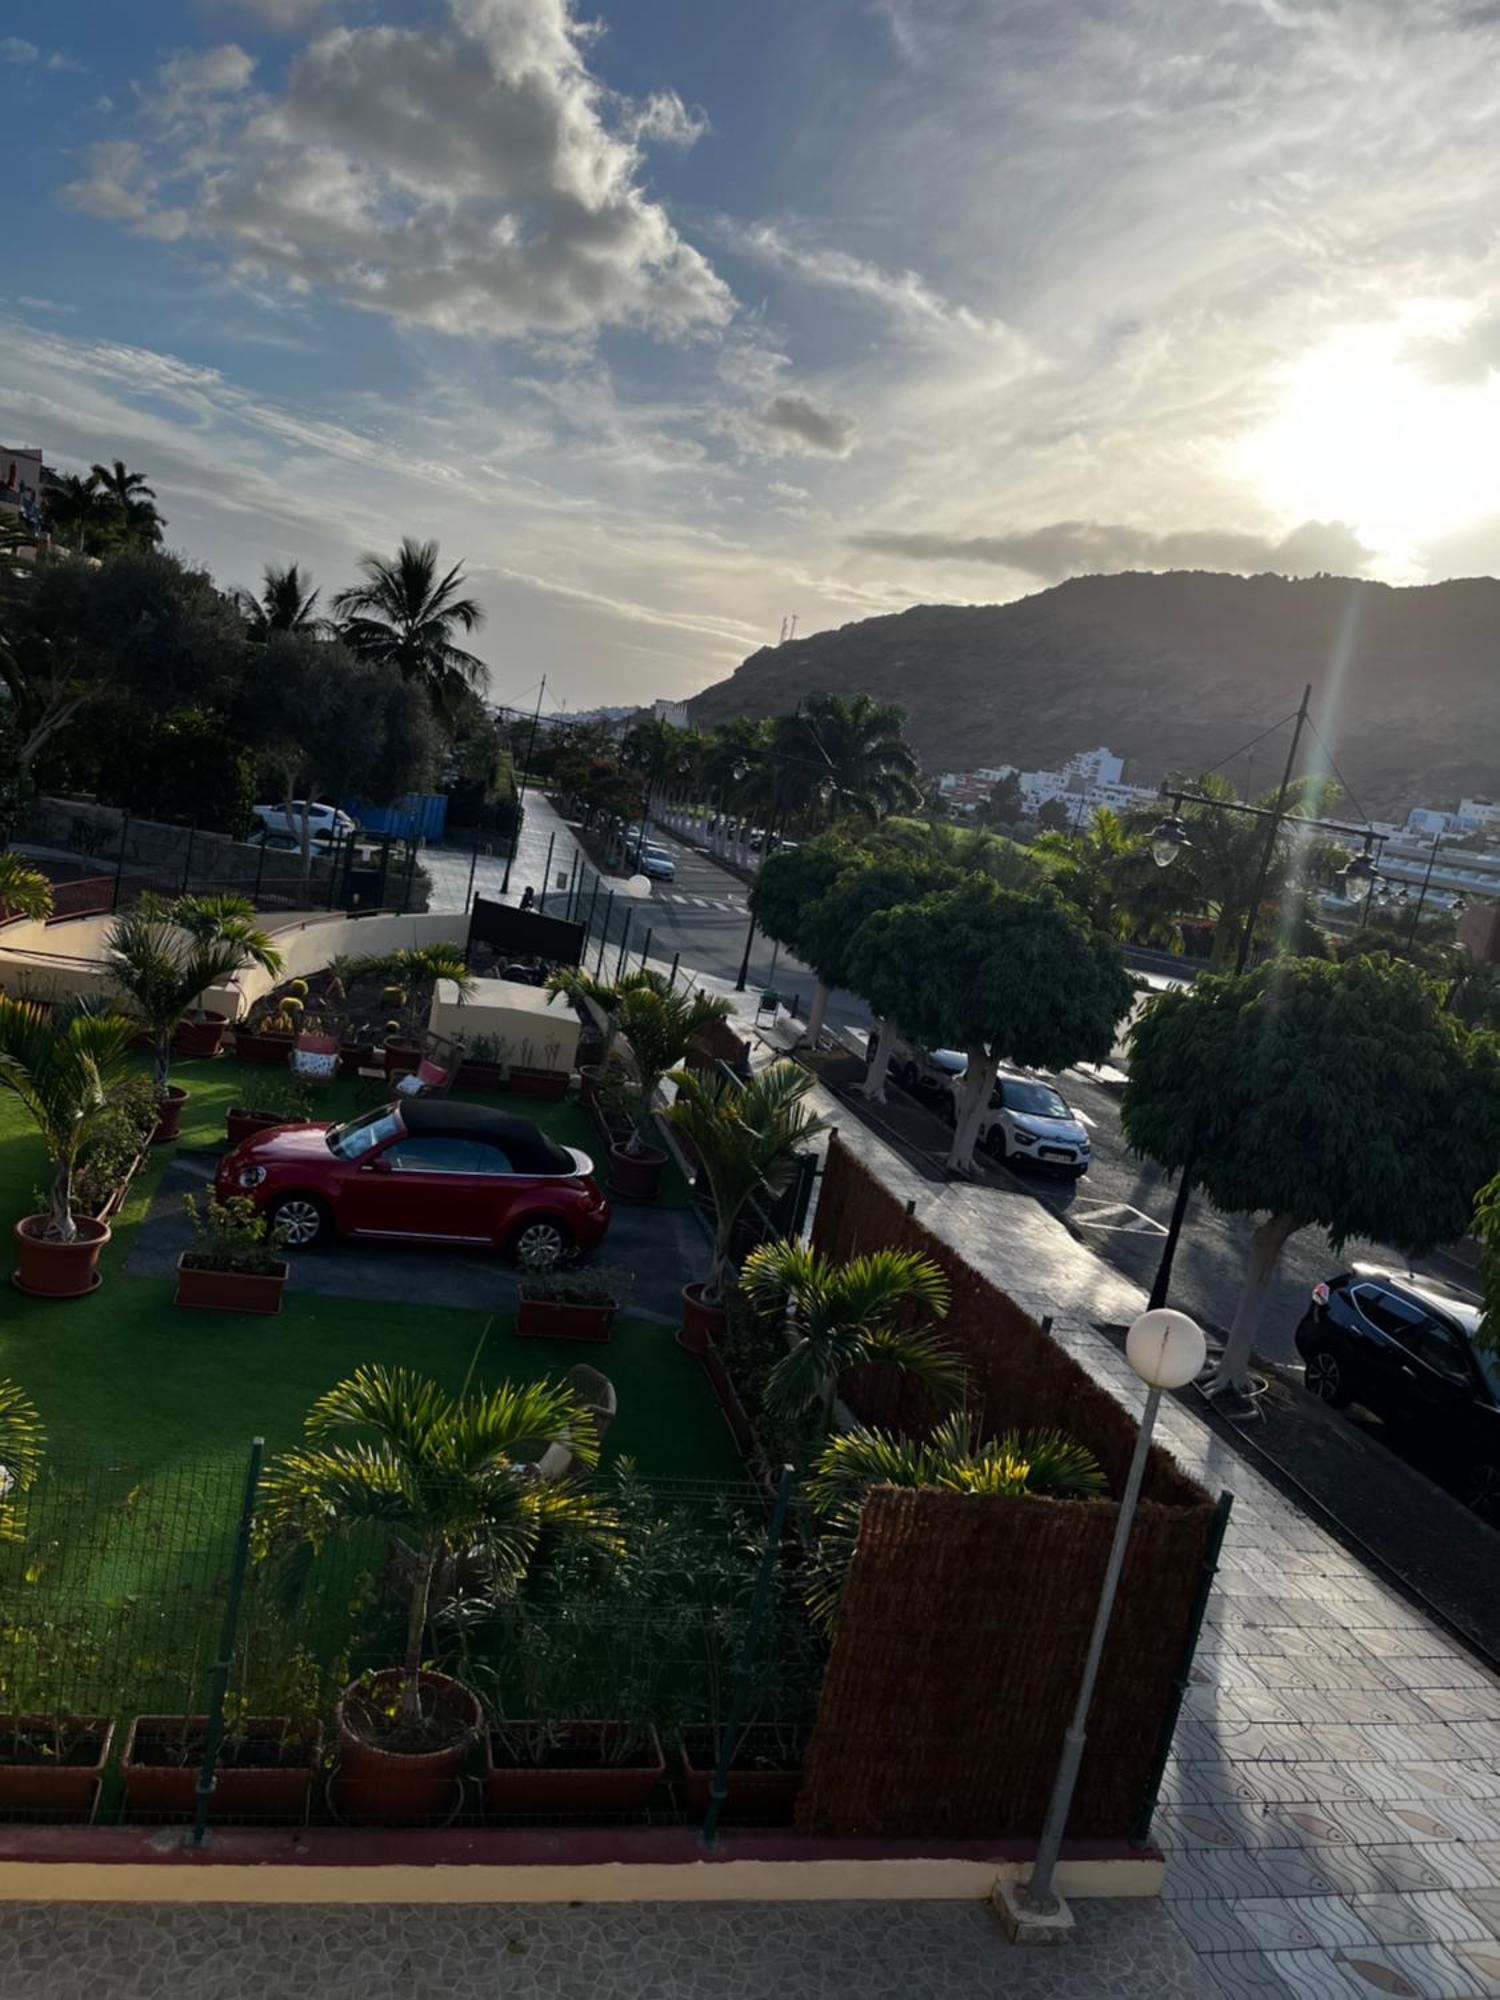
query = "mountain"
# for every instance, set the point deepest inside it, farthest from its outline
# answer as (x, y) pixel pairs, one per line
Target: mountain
(1175, 671)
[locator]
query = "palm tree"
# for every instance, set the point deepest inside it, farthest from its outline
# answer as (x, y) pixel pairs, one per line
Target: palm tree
(851, 757)
(286, 603)
(659, 1027)
(845, 1314)
(131, 502)
(21, 1443)
(61, 1067)
(1106, 871)
(163, 955)
(452, 1473)
(405, 615)
(24, 892)
(77, 513)
(955, 1458)
(745, 1139)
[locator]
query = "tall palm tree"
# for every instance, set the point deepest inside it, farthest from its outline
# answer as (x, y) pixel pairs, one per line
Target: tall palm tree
(77, 513)
(1105, 870)
(287, 603)
(659, 1027)
(746, 1141)
(579, 984)
(24, 891)
(164, 954)
(21, 1444)
(405, 615)
(869, 1308)
(61, 1067)
(453, 1473)
(131, 501)
(955, 1458)
(852, 757)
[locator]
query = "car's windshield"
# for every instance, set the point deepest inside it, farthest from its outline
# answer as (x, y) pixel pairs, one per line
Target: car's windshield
(1034, 1100)
(358, 1136)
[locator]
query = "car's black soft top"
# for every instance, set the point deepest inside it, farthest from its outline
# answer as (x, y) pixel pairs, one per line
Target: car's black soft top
(530, 1150)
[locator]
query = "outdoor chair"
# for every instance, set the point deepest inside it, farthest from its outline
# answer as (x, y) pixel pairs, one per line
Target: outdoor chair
(435, 1074)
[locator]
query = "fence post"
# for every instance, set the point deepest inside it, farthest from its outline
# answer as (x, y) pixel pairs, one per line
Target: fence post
(187, 861)
(624, 940)
(646, 947)
(224, 1664)
(1183, 1677)
(739, 1698)
(541, 901)
(473, 870)
(672, 982)
(588, 926)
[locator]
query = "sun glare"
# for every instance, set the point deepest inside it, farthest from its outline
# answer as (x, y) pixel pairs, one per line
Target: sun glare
(1363, 436)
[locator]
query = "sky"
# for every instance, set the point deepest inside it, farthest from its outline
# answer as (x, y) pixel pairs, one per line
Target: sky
(673, 319)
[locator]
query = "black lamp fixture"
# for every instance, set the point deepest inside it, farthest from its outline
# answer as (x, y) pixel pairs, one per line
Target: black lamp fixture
(1169, 836)
(1360, 874)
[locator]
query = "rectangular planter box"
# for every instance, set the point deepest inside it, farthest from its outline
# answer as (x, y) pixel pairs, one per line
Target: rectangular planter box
(553, 1319)
(593, 1787)
(230, 1291)
(267, 1049)
(757, 1793)
(56, 1784)
(550, 1084)
(480, 1076)
(155, 1782)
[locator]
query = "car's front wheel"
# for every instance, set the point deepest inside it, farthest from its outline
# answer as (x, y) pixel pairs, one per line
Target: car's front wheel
(298, 1221)
(539, 1243)
(906, 1076)
(1324, 1375)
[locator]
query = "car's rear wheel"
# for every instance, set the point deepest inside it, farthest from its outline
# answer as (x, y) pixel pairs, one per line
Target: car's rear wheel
(1482, 1492)
(298, 1221)
(1324, 1375)
(906, 1076)
(540, 1242)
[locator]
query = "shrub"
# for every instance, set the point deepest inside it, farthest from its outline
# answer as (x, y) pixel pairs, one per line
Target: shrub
(230, 1236)
(119, 1137)
(576, 1285)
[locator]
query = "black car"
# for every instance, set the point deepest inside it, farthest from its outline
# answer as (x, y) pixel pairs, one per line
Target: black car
(1410, 1354)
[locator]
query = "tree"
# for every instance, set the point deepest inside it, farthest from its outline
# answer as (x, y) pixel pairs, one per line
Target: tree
(1006, 804)
(24, 891)
(22, 1442)
(77, 514)
(998, 974)
(130, 502)
(745, 1139)
(1307, 1092)
(1106, 871)
(165, 955)
(1054, 816)
(659, 1026)
(956, 1458)
(786, 890)
(452, 1472)
(287, 603)
(1487, 1229)
(61, 1067)
(869, 1308)
(846, 759)
(405, 615)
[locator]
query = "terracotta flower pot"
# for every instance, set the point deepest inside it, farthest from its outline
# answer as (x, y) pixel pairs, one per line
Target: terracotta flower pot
(199, 1034)
(555, 1319)
(62, 1782)
(58, 1270)
(242, 1125)
(229, 1291)
(401, 1784)
(253, 1047)
(169, 1115)
(590, 1075)
(573, 1773)
(636, 1176)
(758, 1784)
(264, 1771)
(702, 1324)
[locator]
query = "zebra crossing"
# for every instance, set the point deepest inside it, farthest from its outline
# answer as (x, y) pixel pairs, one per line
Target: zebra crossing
(700, 902)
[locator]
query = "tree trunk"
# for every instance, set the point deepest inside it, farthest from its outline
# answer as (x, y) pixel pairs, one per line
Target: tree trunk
(973, 1096)
(816, 1012)
(1266, 1246)
(161, 1060)
(62, 1226)
(874, 1084)
(416, 1625)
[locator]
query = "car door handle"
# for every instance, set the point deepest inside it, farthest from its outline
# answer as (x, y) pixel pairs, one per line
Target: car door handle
(1408, 1370)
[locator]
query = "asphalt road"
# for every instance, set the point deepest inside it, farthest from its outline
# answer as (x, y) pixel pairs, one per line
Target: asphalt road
(1123, 1204)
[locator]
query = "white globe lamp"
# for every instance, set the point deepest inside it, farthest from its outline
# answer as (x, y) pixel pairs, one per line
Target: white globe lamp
(637, 886)
(1165, 1348)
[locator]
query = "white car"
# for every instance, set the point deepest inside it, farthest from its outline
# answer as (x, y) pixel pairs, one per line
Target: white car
(1027, 1119)
(919, 1069)
(322, 819)
(289, 843)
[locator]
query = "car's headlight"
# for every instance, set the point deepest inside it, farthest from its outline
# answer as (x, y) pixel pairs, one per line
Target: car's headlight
(1025, 1137)
(250, 1177)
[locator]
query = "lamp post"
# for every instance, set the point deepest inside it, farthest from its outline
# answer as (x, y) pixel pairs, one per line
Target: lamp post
(515, 839)
(1166, 1349)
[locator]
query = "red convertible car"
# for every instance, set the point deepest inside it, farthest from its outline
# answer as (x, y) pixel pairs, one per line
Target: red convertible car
(423, 1172)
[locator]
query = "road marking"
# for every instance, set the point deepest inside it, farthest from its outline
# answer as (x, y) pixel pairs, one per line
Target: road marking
(1117, 1216)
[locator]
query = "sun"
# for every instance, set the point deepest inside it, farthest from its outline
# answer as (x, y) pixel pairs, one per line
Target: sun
(1362, 436)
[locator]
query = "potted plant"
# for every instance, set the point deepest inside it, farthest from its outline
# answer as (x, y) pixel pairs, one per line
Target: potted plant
(658, 1028)
(52, 1764)
(315, 1052)
(61, 1066)
(165, 955)
(116, 1148)
(199, 1034)
(745, 1138)
(765, 1768)
(234, 1265)
(569, 1301)
(454, 1474)
(281, 1100)
(588, 993)
(483, 1066)
(542, 1080)
(266, 1037)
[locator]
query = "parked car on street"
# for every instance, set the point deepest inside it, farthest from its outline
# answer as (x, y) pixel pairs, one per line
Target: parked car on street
(422, 1171)
(658, 864)
(323, 819)
(1027, 1119)
(926, 1071)
(1410, 1353)
(289, 843)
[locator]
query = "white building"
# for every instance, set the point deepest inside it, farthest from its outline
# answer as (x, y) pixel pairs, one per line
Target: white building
(675, 712)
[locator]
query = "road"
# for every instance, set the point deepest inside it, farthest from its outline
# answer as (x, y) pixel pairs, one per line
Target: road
(1121, 1207)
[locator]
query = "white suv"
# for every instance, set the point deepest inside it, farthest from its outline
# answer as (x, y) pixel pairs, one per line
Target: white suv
(918, 1069)
(325, 820)
(1030, 1120)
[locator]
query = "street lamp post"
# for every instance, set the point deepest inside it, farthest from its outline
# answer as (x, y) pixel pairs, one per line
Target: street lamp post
(515, 839)
(1166, 1349)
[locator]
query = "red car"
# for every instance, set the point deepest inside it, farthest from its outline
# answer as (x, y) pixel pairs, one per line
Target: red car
(424, 1171)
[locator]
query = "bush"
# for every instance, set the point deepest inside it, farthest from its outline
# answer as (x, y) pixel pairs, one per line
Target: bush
(577, 1285)
(119, 1139)
(230, 1236)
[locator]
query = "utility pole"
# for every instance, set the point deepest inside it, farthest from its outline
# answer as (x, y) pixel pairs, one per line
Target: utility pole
(515, 839)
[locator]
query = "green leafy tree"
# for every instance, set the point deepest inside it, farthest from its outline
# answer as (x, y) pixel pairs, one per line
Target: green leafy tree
(956, 1458)
(406, 615)
(873, 1307)
(454, 1473)
(999, 975)
(660, 1026)
(164, 955)
(845, 759)
(1487, 1229)
(24, 890)
(1106, 871)
(1054, 816)
(22, 1442)
(62, 1066)
(130, 505)
(1006, 804)
(1306, 1093)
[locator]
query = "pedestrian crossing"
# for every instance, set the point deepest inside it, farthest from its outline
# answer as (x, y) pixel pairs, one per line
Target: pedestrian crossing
(700, 902)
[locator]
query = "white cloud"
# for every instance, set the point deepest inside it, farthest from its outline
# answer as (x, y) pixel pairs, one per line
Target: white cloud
(282, 17)
(903, 295)
(464, 175)
(797, 423)
(1072, 548)
(665, 120)
(14, 50)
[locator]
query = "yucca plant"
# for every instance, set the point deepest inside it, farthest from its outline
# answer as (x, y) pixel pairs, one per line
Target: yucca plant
(955, 1458)
(163, 954)
(21, 1444)
(746, 1139)
(61, 1066)
(868, 1308)
(659, 1027)
(24, 891)
(577, 983)
(451, 1473)
(416, 969)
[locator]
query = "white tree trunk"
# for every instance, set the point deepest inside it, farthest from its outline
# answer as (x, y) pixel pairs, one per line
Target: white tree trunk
(816, 1012)
(874, 1084)
(973, 1096)
(1266, 1246)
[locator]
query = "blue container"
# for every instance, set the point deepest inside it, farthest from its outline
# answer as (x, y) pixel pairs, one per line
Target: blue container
(415, 816)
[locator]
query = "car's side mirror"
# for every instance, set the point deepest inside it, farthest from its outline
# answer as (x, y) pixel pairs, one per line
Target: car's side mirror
(380, 1165)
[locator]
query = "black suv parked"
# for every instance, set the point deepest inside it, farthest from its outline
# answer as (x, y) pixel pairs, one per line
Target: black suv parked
(1411, 1355)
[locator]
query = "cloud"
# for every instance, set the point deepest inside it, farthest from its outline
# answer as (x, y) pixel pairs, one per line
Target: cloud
(14, 50)
(281, 17)
(1081, 548)
(664, 119)
(34, 304)
(1461, 360)
(464, 175)
(904, 295)
(803, 425)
